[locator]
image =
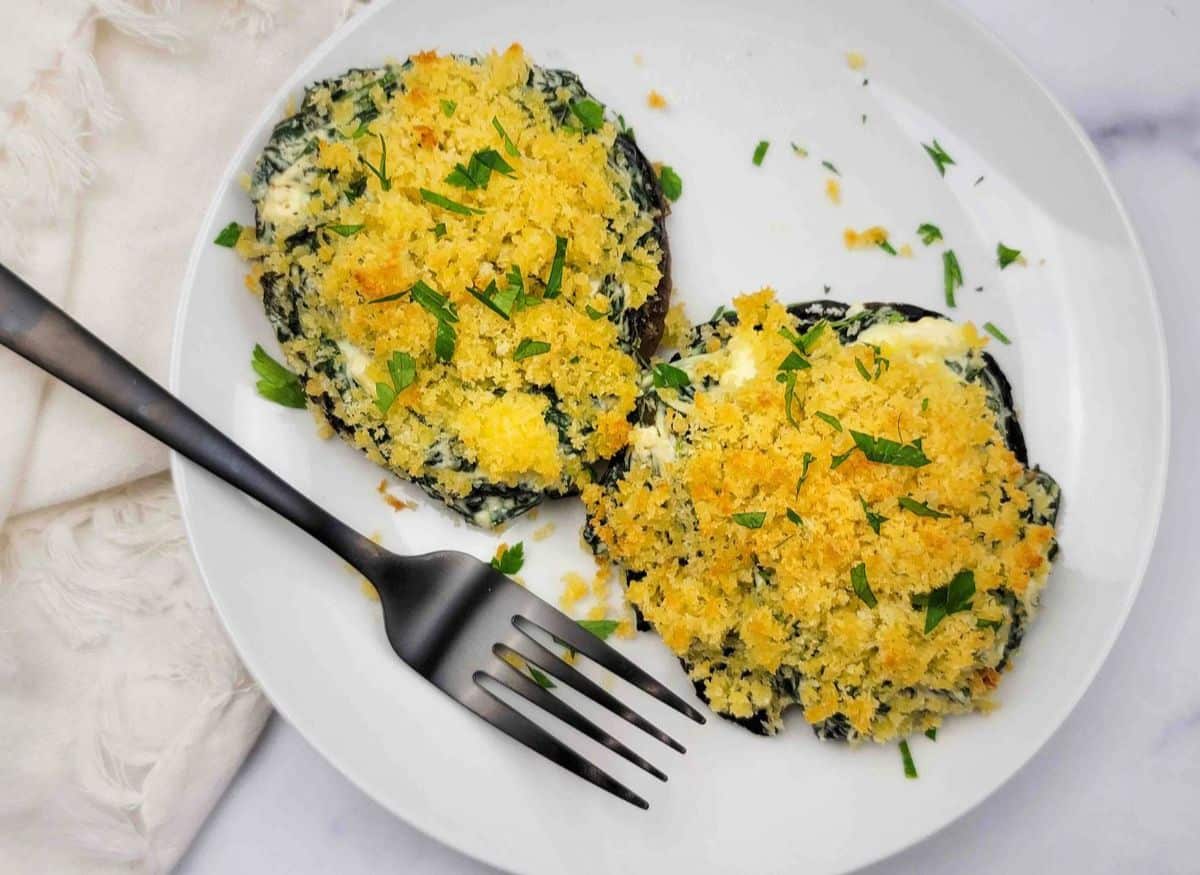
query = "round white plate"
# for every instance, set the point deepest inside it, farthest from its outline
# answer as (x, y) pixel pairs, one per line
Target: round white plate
(1086, 362)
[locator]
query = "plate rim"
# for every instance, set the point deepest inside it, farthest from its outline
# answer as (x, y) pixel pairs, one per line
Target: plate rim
(459, 840)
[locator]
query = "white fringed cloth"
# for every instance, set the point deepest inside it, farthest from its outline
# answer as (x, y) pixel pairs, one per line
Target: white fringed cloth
(123, 710)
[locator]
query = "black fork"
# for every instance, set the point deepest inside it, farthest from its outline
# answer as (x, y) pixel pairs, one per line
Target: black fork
(454, 619)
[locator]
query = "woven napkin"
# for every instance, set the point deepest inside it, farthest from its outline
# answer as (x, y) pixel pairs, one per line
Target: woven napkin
(123, 710)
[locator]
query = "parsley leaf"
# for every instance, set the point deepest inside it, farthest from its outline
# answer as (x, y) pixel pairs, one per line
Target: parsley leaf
(529, 348)
(600, 628)
(403, 371)
(862, 589)
(493, 160)
(440, 200)
(1006, 256)
(554, 281)
(929, 233)
(874, 520)
(669, 377)
(760, 152)
(228, 237)
(497, 301)
(448, 107)
(788, 377)
(590, 114)
(510, 559)
(809, 338)
(751, 519)
(931, 733)
(345, 230)
(920, 509)
(794, 517)
(794, 362)
(996, 333)
(439, 230)
(888, 452)
(799, 150)
(829, 419)
(953, 598)
(808, 459)
(886, 247)
(836, 461)
(672, 185)
(381, 171)
(539, 677)
(276, 383)
(828, 165)
(938, 155)
(981, 623)
(910, 768)
(437, 304)
(509, 146)
(593, 313)
(862, 369)
(444, 341)
(952, 277)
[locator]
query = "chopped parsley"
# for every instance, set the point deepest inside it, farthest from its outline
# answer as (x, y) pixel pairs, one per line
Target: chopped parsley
(593, 313)
(938, 155)
(590, 114)
(874, 520)
(511, 559)
(886, 247)
(440, 200)
(478, 172)
(809, 458)
(809, 338)
(836, 461)
(402, 370)
(381, 171)
(760, 152)
(794, 362)
(439, 230)
(276, 383)
(669, 377)
(554, 280)
(448, 107)
(788, 378)
(444, 341)
(931, 733)
(672, 185)
(600, 628)
(921, 509)
(345, 230)
(886, 451)
(981, 623)
(929, 233)
(952, 277)
(529, 348)
(509, 146)
(953, 598)
(437, 304)
(229, 235)
(996, 333)
(499, 302)
(828, 165)
(910, 768)
(862, 589)
(751, 519)
(539, 677)
(829, 419)
(862, 369)
(794, 517)
(799, 150)
(1006, 256)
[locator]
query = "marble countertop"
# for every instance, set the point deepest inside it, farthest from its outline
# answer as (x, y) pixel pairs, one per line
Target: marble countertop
(1118, 787)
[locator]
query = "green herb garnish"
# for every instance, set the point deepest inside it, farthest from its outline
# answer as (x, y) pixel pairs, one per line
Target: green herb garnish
(981, 623)
(939, 156)
(669, 377)
(788, 378)
(760, 152)
(1006, 256)
(862, 369)
(886, 247)
(952, 277)
(808, 459)
(828, 165)
(929, 233)
(444, 341)
(794, 517)
(600, 628)
(886, 451)
(829, 419)
(920, 509)
(511, 559)
(402, 370)
(910, 768)
(509, 146)
(996, 333)
(590, 114)
(229, 235)
(439, 230)
(799, 150)
(751, 519)
(862, 589)
(794, 362)
(931, 733)
(554, 281)
(345, 230)
(478, 172)
(593, 313)
(438, 305)
(953, 598)
(276, 383)
(539, 677)
(448, 107)
(440, 200)
(672, 185)
(381, 171)
(529, 348)
(500, 303)
(874, 520)
(836, 461)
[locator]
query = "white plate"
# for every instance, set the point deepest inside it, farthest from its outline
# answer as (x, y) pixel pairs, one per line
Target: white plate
(1087, 365)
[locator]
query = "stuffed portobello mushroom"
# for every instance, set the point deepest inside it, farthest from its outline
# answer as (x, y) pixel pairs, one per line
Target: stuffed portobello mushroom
(465, 261)
(831, 507)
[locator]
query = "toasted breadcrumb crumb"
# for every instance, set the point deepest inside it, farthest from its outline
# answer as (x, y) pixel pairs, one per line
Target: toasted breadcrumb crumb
(542, 533)
(855, 60)
(833, 190)
(654, 100)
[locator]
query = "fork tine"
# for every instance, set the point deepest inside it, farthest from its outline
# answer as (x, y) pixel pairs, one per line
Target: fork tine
(516, 725)
(575, 636)
(548, 662)
(547, 701)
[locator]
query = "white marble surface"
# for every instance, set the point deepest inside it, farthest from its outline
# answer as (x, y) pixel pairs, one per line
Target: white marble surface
(1118, 788)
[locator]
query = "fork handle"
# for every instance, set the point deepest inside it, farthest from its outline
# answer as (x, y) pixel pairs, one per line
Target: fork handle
(37, 330)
